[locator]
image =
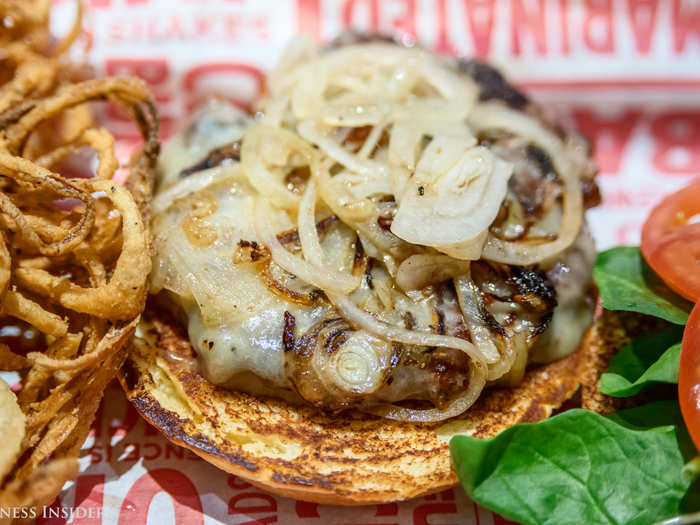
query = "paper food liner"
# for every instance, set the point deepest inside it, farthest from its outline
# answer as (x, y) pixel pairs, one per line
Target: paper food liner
(625, 72)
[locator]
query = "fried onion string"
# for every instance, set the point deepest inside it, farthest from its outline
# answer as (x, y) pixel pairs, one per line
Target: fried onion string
(24, 171)
(74, 252)
(128, 92)
(128, 280)
(100, 140)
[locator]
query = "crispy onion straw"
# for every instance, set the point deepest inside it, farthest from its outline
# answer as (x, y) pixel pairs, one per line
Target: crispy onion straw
(100, 140)
(11, 361)
(127, 92)
(114, 300)
(103, 347)
(26, 172)
(74, 253)
(34, 75)
(17, 305)
(5, 265)
(69, 39)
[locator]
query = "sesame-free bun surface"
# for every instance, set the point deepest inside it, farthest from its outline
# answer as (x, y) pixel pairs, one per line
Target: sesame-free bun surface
(347, 459)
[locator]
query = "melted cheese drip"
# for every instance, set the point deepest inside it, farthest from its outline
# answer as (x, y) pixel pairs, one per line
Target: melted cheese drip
(571, 276)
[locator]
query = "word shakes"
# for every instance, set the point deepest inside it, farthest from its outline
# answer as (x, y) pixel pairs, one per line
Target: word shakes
(478, 27)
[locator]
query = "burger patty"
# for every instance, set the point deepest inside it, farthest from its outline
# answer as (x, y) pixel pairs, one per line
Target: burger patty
(259, 329)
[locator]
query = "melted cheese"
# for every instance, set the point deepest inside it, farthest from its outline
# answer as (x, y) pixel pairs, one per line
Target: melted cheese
(236, 322)
(215, 124)
(571, 276)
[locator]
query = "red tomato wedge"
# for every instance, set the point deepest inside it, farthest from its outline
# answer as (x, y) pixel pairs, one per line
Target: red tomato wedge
(671, 244)
(689, 376)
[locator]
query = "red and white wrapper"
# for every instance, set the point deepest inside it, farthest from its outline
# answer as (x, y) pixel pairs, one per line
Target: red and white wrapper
(625, 72)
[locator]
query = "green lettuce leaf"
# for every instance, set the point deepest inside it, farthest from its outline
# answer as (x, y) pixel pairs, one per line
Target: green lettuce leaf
(627, 283)
(578, 467)
(644, 361)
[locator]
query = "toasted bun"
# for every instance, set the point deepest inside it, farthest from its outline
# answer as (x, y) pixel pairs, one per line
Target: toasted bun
(346, 459)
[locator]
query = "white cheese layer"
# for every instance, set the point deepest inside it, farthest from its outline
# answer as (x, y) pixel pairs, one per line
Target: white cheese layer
(235, 322)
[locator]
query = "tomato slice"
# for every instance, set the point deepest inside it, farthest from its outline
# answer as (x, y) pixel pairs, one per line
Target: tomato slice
(689, 376)
(671, 245)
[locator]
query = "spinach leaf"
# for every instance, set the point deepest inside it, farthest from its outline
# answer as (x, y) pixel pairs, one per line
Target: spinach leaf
(627, 283)
(658, 414)
(643, 361)
(577, 467)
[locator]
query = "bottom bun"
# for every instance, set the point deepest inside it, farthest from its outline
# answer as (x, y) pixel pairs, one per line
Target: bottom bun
(346, 459)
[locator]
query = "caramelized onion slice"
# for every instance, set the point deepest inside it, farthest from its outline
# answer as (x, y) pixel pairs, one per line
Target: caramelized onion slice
(266, 154)
(307, 271)
(193, 184)
(458, 405)
(496, 116)
(479, 332)
(418, 271)
(453, 197)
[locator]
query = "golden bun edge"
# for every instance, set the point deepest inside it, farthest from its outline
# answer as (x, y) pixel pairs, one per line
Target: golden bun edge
(346, 459)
